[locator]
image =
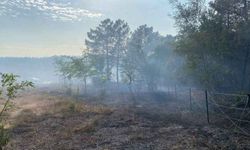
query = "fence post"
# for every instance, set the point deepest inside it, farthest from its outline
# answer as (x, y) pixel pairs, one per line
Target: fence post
(175, 92)
(206, 95)
(248, 100)
(190, 98)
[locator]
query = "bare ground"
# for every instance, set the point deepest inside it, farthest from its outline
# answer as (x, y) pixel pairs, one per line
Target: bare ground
(50, 121)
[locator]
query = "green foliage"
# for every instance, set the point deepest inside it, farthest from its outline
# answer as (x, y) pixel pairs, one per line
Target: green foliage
(4, 136)
(9, 89)
(147, 60)
(10, 86)
(64, 67)
(213, 44)
(135, 62)
(101, 43)
(140, 57)
(76, 67)
(107, 43)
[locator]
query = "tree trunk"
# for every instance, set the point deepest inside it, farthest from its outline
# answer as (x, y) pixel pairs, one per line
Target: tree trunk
(4, 108)
(244, 71)
(85, 85)
(245, 10)
(107, 64)
(131, 92)
(69, 88)
(117, 69)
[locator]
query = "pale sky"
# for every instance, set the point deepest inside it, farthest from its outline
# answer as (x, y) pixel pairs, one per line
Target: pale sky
(58, 27)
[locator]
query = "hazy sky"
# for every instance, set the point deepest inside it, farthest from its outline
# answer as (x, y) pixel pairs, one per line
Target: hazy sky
(59, 27)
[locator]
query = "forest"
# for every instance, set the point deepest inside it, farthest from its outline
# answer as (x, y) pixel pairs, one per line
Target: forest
(134, 88)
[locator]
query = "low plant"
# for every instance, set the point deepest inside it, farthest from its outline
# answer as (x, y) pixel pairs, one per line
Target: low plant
(9, 88)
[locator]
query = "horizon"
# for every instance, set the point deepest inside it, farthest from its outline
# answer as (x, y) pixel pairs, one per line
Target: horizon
(38, 56)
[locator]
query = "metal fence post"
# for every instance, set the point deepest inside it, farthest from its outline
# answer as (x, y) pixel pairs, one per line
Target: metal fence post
(190, 98)
(206, 95)
(248, 100)
(175, 92)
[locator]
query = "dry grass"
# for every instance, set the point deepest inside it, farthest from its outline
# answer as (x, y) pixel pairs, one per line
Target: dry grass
(43, 121)
(89, 126)
(42, 118)
(73, 106)
(31, 106)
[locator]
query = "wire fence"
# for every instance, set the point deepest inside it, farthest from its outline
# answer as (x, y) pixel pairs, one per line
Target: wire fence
(229, 110)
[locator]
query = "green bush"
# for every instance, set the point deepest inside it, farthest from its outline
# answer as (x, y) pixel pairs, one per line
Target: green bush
(8, 90)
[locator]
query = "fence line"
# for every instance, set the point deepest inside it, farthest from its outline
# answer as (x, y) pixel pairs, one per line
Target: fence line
(228, 94)
(230, 119)
(239, 120)
(210, 100)
(227, 107)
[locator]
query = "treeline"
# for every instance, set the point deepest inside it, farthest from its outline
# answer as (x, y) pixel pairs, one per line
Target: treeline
(214, 40)
(211, 50)
(115, 55)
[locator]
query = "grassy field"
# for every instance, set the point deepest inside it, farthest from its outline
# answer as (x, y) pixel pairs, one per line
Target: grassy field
(50, 120)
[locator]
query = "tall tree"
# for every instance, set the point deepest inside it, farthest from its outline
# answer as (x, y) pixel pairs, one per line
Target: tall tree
(100, 43)
(121, 34)
(141, 45)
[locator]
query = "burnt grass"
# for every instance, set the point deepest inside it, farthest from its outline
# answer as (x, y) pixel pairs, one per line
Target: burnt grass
(146, 121)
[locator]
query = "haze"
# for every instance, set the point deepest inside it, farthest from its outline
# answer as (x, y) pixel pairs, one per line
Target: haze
(124, 74)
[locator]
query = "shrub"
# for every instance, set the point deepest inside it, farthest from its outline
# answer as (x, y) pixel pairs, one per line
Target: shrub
(8, 90)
